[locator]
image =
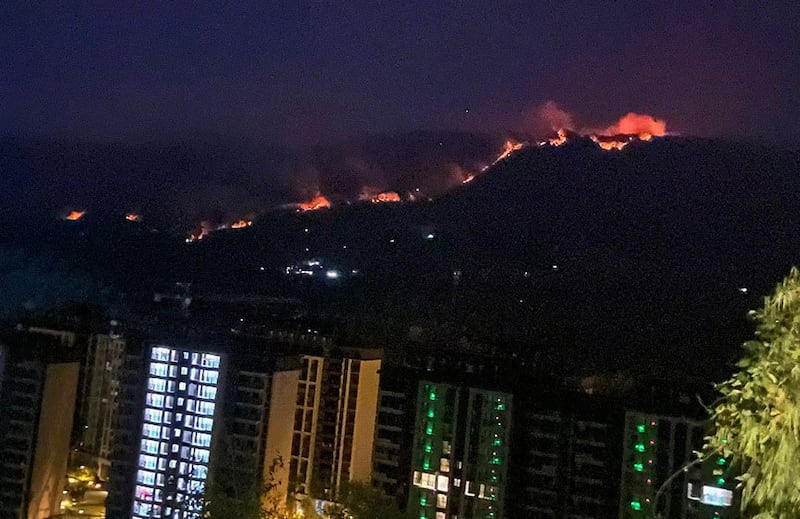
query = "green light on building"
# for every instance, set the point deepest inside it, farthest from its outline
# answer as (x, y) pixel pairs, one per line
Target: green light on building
(430, 413)
(720, 481)
(426, 465)
(423, 500)
(639, 447)
(641, 428)
(429, 429)
(432, 395)
(638, 467)
(497, 442)
(501, 407)
(495, 461)
(428, 447)
(721, 461)
(636, 505)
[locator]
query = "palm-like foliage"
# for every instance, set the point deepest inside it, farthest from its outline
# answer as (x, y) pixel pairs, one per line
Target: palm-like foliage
(757, 420)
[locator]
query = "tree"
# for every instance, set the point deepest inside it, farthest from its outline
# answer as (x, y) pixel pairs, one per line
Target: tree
(757, 419)
(237, 489)
(363, 501)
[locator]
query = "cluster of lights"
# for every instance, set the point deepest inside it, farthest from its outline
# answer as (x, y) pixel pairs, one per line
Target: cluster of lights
(642, 462)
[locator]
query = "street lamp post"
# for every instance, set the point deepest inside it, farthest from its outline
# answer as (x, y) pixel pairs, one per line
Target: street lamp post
(667, 482)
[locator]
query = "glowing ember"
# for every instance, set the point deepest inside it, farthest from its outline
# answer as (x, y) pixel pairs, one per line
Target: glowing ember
(509, 147)
(241, 224)
(318, 202)
(559, 139)
(133, 217)
(469, 179)
(611, 143)
(74, 216)
(388, 196)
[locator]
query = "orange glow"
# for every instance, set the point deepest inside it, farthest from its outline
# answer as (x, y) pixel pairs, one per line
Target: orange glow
(74, 216)
(509, 147)
(133, 217)
(318, 202)
(559, 139)
(388, 196)
(241, 224)
(642, 125)
(469, 179)
(609, 144)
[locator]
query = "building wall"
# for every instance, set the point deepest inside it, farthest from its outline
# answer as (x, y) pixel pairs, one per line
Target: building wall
(177, 427)
(365, 417)
(655, 447)
(52, 448)
(279, 430)
(460, 452)
(21, 401)
(100, 398)
(334, 422)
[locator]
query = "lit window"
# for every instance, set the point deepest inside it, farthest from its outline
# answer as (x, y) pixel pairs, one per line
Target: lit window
(160, 354)
(158, 369)
(442, 483)
(444, 465)
(441, 500)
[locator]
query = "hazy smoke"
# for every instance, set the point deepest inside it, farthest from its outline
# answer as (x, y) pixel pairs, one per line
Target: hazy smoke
(553, 117)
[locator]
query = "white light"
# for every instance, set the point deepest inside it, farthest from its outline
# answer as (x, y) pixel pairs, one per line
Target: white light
(743, 290)
(391, 241)
(306, 229)
(555, 267)
(332, 274)
(430, 236)
(306, 249)
(262, 269)
(344, 246)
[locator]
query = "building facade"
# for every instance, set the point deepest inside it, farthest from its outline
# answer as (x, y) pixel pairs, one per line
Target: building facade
(171, 408)
(334, 421)
(460, 452)
(37, 406)
(100, 390)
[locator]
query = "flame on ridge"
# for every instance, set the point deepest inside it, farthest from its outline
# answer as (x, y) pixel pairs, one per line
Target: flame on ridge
(318, 202)
(241, 224)
(133, 217)
(74, 216)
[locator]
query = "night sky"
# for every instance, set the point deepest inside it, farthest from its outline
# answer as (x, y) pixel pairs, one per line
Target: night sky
(289, 72)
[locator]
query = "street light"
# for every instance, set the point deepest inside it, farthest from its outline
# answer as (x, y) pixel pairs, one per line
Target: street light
(670, 479)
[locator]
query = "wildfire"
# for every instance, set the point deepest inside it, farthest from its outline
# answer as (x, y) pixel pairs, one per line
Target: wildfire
(133, 217)
(74, 216)
(560, 138)
(612, 143)
(509, 147)
(388, 196)
(241, 224)
(318, 202)
(645, 127)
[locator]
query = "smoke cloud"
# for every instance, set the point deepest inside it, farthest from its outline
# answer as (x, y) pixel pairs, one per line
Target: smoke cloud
(637, 124)
(554, 117)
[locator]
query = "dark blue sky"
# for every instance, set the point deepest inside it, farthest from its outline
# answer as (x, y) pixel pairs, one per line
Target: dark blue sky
(289, 71)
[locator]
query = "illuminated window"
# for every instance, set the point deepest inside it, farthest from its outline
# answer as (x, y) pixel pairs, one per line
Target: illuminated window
(444, 465)
(442, 483)
(441, 500)
(157, 369)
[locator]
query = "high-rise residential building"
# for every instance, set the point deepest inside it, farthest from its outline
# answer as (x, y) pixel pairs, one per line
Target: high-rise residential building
(394, 435)
(460, 452)
(100, 392)
(656, 447)
(259, 408)
(334, 421)
(565, 456)
(173, 422)
(37, 405)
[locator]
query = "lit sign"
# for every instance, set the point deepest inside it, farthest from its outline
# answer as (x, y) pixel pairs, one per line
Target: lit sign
(713, 496)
